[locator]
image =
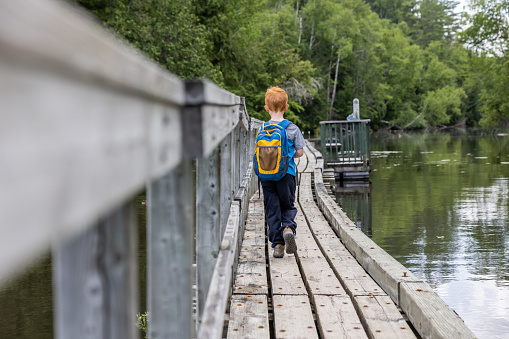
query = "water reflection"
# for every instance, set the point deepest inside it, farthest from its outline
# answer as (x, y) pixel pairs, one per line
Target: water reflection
(26, 304)
(354, 197)
(439, 205)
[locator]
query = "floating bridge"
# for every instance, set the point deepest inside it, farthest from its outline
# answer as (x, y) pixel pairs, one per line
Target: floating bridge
(86, 124)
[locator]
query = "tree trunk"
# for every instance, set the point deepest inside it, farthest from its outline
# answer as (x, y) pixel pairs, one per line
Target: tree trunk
(417, 117)
(300, 29)
(311, 40)
(335, 84)
(330, 66)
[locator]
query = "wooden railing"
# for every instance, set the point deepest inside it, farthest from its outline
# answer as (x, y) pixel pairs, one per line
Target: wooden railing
(87, 123)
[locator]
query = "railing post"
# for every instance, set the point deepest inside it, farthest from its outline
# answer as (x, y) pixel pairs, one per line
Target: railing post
(170, 253)
(95, 280)
(226, 180)
(208, 226)
(236, 157)
(243, 154)
(323, 140)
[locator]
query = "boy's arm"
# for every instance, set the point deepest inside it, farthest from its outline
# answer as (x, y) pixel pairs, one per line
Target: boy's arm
(299, 143)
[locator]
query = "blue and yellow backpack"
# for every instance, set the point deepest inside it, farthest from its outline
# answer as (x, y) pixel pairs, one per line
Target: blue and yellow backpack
(271, 157)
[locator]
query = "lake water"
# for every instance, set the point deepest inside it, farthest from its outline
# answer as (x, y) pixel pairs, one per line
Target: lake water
(438, 203)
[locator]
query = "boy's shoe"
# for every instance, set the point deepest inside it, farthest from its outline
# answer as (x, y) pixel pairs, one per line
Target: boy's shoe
(279, 251)
(291, 245)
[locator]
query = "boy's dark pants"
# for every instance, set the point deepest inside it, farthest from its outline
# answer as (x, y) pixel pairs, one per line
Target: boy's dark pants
(278, 200)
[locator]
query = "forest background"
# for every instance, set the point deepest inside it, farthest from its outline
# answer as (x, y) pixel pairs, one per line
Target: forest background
(411, 63)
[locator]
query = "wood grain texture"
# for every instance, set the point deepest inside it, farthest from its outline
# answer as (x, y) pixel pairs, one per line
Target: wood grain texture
(81, 150)
(251, 275)
(285, 276)
(217, 298)
(251, 278)
(293, 318)
(382, 318)
(170, 253)
(98, 272)
(320, 278)
(208, 225)
(249, 317)
(303, 162)
(430, 314)
(226, 182)
(337, 318)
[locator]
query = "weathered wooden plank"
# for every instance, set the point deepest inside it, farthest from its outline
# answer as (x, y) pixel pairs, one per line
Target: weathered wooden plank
(381, 318)
(285, 276)
(205, 126)
(337, 318)
(354, 278)
(293, 318)
(429, 314)
(97, 270)
(384, 269)
(212, 114)
(319, 164)
(243, 159)
(226, 182)
(251, 278)
(303, 162)
(249, 317)
(244, 116)
(215, 306)
(89, 119)
(236, 159)
(253, 238)
(257, 227)
(307, 251)
(311, 160)
(80, 150)
(319, 158)
(320, 278)
(208, 225)
(250, 252)
(170, 253)
(205, 92)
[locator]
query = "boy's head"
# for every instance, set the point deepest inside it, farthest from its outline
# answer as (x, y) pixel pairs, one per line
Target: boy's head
(276, 100)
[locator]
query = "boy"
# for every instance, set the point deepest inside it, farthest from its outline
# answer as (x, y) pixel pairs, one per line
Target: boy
(279, 196)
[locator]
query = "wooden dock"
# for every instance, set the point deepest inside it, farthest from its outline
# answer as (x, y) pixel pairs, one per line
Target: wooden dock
(324, 291)
(91, 123)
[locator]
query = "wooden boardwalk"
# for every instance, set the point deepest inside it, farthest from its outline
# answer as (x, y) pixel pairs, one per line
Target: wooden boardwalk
(321, 292)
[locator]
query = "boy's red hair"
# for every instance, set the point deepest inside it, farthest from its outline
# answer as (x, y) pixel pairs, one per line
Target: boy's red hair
(276, 99)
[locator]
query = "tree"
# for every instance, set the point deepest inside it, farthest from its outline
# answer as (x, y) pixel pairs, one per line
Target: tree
(487, 28)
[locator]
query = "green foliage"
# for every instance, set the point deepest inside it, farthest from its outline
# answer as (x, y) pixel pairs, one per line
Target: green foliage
(142, 321)
(399, 58)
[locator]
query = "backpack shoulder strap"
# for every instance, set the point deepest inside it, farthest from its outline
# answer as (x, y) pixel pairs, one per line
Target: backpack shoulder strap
(285, 123)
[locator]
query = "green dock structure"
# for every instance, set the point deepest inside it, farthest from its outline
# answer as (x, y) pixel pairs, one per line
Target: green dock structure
(346, 147)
